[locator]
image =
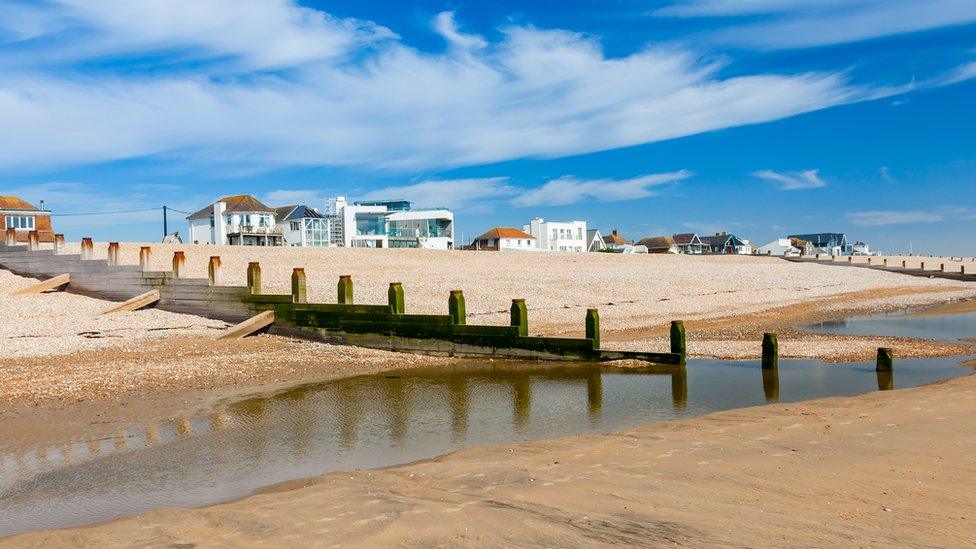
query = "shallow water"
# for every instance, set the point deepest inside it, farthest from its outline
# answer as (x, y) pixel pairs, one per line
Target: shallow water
(388, 419)
(950, 327)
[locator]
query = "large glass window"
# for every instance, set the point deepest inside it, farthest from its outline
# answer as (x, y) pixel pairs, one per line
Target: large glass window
(370, 224)
(20, 222)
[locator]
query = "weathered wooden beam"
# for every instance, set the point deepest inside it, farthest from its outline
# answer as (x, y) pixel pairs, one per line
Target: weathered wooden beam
(136, 303)
(45, 285)
(249, 326)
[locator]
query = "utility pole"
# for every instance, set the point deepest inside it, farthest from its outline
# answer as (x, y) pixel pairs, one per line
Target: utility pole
(165, 224)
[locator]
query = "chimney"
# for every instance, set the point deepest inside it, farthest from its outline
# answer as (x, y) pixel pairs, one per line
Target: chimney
(42, 203)
(614, 232)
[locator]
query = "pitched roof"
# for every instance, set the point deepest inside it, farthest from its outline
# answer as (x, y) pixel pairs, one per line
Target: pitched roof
(721, 240)
(615, 238)
(684, 239)
(236, 203)
(14, 203)
(657, 242)
(504, 232)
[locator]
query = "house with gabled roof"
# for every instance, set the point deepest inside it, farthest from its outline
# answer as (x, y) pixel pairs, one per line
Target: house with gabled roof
(240, 220)
(502, 239)
(724, 243)
(688, 243)
(302, 225)
(24, 217)
(659, 244)
(827, 243)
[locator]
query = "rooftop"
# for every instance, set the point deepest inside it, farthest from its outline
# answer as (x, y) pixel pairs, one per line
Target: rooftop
(504, 232)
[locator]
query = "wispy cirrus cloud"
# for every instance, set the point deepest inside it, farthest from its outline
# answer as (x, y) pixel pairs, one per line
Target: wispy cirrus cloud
(570, 190)
(802, 23)
(473, 194)
(278, 84)
(891, 217)
(791, 181)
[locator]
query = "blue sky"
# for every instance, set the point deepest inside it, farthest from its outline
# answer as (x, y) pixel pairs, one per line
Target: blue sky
(761, 117)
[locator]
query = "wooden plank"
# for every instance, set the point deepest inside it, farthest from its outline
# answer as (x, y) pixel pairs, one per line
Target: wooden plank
(43, 286)
(249, 326)
(136, 303)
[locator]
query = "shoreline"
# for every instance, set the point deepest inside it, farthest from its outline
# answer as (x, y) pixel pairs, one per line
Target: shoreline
(659, 483)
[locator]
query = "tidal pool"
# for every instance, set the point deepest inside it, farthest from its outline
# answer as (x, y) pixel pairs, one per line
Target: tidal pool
(912, 323)
(388, 419)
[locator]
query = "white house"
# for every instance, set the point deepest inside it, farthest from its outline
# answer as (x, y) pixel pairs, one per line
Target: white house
(780, 247)
(237, 220)
(302, 226)
(558, 236)
(389, 224)
(504, 239)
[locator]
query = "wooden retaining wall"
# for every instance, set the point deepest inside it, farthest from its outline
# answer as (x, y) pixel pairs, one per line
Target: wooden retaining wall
(376, 326)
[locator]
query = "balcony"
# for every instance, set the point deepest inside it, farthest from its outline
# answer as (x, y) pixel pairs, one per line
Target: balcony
(258, 230)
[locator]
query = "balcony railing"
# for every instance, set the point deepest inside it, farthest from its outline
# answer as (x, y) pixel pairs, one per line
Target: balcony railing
(254, 229)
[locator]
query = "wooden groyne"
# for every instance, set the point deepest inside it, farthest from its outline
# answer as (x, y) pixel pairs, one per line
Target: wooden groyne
(964, 274)
(383, 326)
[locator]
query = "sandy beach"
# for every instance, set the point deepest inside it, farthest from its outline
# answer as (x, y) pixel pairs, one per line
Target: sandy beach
(684, 482)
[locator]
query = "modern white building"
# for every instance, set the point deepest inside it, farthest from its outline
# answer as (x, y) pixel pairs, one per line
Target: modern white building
(558, 236)
(782, 247)
(236, 220)
(389, 224)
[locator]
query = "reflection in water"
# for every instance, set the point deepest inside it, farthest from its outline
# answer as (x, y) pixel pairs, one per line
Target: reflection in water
(770, 381)
(594, 395)
(679, 388)
(886, 381)
(382, 420)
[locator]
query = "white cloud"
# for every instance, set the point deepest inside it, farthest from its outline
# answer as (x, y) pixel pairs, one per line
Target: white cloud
(287, 197)
(536, 93)
(804, 23)
(570, 190)
(445, 25)
(791, 181)
(455, 194)
(886, 176)
(883, 217)
(277, 84)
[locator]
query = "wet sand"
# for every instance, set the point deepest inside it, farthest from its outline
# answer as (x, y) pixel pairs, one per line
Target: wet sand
(890, 468)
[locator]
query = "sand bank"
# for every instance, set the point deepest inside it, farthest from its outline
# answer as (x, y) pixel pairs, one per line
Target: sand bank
(880, 469)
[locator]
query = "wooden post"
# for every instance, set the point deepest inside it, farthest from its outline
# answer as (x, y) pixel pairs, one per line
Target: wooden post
(770, 351)
(520, 317)
(904, 264)
(344, 289)
(885, 262)
(770, 381)
(213, 270)
(395, 299)
(10, 237)
(254, 277)
(885, 359)
(113, 253)
(87, 248)
(678, 343)
(593, 326)
(299, 286)
(455, 307)
(179, 263)
(850, 259)
(33, 241)
(58, 244)
(923, 266)
(942, 267)
(144, 254)
(869, 260)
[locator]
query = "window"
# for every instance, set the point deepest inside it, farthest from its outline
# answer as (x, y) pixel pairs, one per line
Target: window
(295, 226)
(554, 234)
(20, 222)
(579, 233)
